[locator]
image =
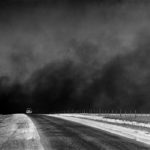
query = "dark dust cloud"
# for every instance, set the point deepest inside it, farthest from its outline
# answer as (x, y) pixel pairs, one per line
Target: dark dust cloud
(73, 55)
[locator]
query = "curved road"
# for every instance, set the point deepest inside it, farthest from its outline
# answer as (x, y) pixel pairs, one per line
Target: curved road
(60, 134)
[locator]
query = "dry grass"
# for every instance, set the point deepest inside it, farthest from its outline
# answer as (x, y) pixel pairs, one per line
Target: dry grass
(143, 118)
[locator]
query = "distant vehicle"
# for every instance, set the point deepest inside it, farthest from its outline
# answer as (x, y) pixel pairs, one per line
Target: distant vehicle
(28, 111)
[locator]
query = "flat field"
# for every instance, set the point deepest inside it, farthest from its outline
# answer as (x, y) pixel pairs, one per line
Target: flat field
(142, 118)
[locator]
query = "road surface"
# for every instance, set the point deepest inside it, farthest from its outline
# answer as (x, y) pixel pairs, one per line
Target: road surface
(60, 134)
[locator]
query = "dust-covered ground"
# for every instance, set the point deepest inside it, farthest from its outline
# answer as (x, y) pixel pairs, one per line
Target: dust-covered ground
(61, 134)
(42, 132)
(17, 132)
